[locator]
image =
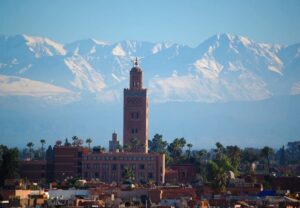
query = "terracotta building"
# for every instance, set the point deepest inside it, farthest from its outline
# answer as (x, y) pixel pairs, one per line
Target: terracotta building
(34, 170)
(186, 173)
(68, 161)
(77, 161)
(135, 129)
(108, 167)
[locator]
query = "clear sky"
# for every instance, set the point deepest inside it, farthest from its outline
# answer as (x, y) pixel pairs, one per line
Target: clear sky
(186, 22)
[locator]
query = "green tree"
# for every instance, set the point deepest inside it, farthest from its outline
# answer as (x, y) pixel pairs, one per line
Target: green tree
(234, 154)
(133, 144)
(99, 149)
(175, 148)
(282, 156)
(201, 154)
(30, 145)
(157, 144)
(218, 168)
(200, 159)
(89, 141)
(220, 150)
(126, 147)
(128, 174)
(43, 142)
(3, 150)
(49, 154)
(266, 153)
(189, 150)
(250, 155)
(120, 148)
(217, 175)
(75, 139)
(9, 163)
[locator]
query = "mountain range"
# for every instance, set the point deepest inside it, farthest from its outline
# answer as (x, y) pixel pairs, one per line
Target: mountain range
(228, 88)
(223, 68)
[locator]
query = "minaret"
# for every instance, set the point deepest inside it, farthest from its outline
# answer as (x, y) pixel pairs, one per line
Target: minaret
(114, 143)
(135, 126)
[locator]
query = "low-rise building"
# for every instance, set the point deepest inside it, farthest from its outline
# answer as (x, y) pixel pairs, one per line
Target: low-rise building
(34, 170)
(68, 161)
(186, 172)
(171, 176)
(172, 195)
(109, 167)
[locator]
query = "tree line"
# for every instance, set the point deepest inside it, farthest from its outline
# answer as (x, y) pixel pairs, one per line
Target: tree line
(211, 165)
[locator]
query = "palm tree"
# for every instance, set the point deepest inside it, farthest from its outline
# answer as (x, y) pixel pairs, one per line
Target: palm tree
(157, 144)
(30, 145)
(189, 149)
(43, 141)
(201, 154)
(89, 141)
(175, 148)
(74, 138)
(220, 150)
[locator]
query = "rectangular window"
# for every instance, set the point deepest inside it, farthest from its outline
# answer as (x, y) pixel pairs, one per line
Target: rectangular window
(96, 175)
(114, 167)
(134, 115)
(150, 175)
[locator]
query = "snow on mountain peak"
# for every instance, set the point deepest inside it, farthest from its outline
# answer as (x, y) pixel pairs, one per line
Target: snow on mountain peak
(160, 46)
(208, 67)
(100, 42)
(86, 77)
(225, 67)
(118, 50)
(43, 46)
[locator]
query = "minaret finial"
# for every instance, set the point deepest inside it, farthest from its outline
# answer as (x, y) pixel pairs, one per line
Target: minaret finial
(136, 62)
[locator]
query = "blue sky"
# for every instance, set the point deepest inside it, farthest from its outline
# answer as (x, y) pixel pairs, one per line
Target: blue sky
(186, 22)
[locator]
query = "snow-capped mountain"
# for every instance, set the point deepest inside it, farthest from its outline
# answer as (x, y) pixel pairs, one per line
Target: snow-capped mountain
(223, 68)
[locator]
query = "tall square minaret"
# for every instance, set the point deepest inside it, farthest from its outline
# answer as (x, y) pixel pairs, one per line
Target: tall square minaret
(135, 123)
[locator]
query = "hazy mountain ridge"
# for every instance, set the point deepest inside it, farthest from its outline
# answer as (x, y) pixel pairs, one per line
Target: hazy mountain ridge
(233, 74)
(223, 68)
